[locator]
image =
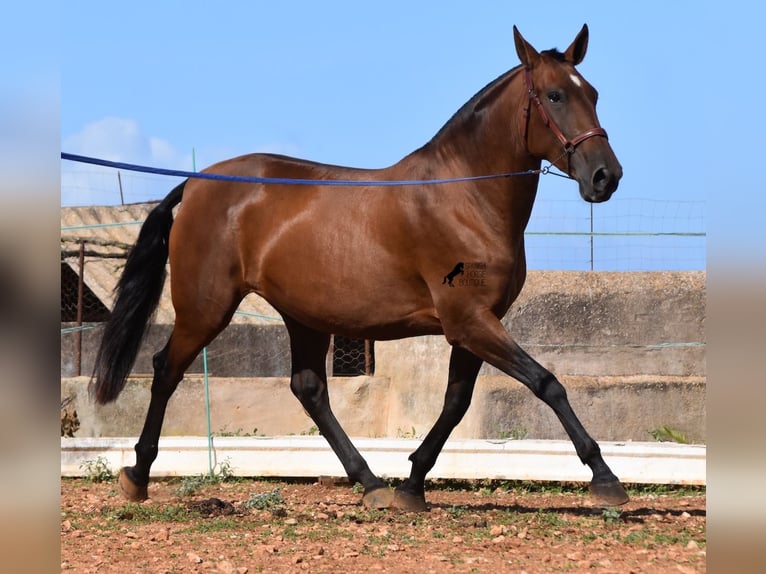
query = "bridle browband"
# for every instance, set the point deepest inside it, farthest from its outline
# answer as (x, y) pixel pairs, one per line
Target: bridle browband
(569, 144)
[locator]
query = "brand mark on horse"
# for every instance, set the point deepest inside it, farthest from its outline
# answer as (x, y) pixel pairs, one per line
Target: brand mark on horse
(472, 274)
(457, 270)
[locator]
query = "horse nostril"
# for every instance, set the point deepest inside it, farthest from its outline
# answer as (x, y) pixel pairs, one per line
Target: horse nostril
(601, 178)
(605, 181)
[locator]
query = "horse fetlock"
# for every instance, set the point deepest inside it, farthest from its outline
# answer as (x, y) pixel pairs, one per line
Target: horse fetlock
(412, 487)
(146, 453)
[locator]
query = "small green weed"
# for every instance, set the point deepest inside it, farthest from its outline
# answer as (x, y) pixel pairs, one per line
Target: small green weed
(225, 471)
(97, 470)
(551, 519)
(266, 501)
(676, 490)
(513, 433)
(238, 432)
(221, 524)
(135, 512)
(222, 472)
(456, 511)
(668, 434)
(412, 433)
(611, 515)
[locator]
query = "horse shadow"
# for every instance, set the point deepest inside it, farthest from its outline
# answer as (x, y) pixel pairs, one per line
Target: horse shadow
(635, 515)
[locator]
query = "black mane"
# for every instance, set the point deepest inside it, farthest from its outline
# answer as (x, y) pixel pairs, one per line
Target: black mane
(486, 95)
(478, 101)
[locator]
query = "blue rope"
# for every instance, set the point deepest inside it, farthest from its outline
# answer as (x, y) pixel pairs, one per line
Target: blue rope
(286, 180)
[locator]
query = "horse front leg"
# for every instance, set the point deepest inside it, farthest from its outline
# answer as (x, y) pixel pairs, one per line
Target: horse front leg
(487, 338)
(463, 369)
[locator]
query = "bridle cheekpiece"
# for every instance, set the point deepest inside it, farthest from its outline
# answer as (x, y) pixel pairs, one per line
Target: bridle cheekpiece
(569, 144)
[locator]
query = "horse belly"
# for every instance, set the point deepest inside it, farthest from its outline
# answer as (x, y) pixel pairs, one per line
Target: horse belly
(346, 283)
(360, 304)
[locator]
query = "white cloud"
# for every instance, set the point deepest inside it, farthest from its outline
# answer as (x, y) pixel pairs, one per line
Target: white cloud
(123, 140)
(164, 154)
(115, 139)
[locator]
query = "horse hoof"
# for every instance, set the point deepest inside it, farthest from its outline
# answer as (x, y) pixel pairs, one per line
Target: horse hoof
(610, 493)
(379, 498)
(130, 490)
(408, 502)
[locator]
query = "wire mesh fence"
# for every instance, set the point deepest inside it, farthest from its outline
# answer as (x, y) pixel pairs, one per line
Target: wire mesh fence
(625, 234)
(352, 356)
(78, 302)
(83, 315)
(564, 233)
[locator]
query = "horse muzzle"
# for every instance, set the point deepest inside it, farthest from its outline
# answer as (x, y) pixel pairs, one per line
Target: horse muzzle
(601, 184)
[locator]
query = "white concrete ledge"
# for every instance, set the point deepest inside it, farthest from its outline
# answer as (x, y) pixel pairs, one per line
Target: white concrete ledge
(310, 456)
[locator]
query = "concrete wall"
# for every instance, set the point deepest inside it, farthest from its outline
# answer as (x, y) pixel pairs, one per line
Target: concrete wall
(611, 408)
(629, 347)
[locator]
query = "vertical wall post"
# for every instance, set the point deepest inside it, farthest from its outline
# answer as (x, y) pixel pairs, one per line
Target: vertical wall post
(80, 296)
(367, 357)
(119, 182)
(330, 357)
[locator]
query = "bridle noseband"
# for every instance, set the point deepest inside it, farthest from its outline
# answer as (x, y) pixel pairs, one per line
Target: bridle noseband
(569, 144)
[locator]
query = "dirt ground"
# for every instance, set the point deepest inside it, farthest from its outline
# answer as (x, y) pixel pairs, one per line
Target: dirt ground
(247, 526)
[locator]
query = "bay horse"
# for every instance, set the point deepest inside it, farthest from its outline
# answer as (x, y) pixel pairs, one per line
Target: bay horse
(368, 261)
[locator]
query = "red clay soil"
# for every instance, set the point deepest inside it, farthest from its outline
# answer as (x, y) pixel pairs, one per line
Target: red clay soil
(247, 526)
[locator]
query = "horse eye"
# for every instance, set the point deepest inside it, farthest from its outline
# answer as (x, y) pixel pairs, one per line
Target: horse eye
(554, 97)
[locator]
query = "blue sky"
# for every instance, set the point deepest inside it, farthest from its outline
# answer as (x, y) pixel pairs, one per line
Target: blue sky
(363, 84)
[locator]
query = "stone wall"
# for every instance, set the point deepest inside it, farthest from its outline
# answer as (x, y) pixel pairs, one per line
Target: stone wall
(629, 347)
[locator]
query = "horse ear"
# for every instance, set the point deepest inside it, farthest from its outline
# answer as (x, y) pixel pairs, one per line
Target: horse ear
(527, 54)
(576, 51)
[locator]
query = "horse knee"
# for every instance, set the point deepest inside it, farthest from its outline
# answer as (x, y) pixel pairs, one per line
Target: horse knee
(308, 388)
(551, 391)
(456, 406)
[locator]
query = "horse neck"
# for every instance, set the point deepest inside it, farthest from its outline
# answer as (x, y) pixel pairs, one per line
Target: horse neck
(486, 137)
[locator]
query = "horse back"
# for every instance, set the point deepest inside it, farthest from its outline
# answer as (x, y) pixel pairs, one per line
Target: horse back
(356, 260)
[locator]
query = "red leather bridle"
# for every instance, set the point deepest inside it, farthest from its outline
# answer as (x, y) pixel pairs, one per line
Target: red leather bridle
(569, 144)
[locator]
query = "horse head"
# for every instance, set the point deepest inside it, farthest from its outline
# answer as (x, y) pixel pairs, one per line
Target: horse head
(561, 124)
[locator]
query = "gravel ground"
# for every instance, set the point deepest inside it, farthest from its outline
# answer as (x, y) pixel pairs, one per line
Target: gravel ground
(247, 526)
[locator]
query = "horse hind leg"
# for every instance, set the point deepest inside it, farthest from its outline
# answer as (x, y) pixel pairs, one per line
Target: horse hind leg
(308, 383)
(185, 343)
(134, 480)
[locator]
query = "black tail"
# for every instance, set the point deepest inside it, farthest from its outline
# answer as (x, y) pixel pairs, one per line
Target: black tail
(138, 294)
